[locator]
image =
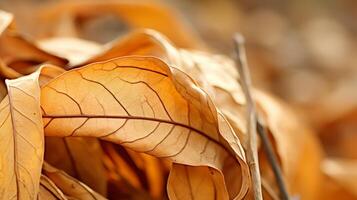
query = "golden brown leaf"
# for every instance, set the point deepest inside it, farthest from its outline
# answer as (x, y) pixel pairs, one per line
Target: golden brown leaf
(141, 103)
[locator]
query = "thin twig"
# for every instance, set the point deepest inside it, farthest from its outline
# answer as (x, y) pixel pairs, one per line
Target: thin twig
(252, 149)
(268, 149)
(272, 161)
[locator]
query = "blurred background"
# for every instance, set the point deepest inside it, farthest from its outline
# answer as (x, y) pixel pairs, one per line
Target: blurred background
(303, 51)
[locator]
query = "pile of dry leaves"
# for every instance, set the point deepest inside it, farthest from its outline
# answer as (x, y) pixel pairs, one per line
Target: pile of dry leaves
(151, 115)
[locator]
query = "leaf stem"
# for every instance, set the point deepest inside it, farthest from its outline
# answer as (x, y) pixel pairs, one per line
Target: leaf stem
(252, 149)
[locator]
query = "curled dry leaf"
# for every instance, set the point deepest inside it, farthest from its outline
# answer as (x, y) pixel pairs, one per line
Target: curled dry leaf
(22, 137)
(142, 104)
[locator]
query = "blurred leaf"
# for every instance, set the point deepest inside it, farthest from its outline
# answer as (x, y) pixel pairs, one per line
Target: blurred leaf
(139, 14)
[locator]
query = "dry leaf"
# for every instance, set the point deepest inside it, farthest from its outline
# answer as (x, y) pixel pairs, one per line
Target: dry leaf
(167, 116)
(22, 137)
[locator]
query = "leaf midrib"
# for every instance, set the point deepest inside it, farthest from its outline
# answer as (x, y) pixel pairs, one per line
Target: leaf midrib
(140, 118)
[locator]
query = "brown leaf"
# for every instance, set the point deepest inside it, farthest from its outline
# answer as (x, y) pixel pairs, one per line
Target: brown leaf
(167, 116)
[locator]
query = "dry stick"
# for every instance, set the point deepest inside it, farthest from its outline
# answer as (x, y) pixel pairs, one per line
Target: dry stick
(243, 71)
(252, 148)
(272, 161)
